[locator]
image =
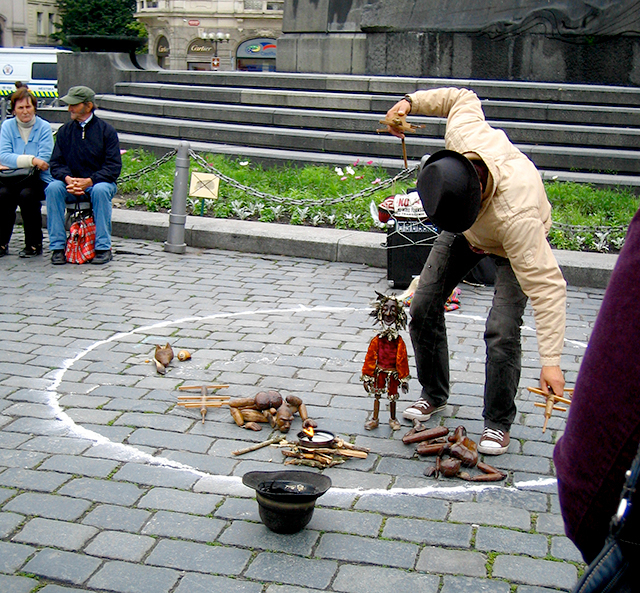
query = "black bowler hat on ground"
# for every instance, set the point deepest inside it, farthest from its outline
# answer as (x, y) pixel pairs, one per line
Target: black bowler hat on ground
(450, 191)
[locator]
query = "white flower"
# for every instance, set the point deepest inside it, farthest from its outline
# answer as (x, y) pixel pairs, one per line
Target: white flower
(350, 171)
(339, 171)
(243, 163)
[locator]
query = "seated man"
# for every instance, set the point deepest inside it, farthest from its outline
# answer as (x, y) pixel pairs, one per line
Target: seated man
(85, 164)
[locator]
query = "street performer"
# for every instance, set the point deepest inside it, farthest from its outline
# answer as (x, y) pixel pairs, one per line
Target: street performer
(487, 199)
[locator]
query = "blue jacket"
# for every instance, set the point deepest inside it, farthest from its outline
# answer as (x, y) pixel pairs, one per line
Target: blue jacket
(40, 144)
(92, 152)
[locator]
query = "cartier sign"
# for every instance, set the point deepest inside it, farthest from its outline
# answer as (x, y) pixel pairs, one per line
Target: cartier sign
(200, 47)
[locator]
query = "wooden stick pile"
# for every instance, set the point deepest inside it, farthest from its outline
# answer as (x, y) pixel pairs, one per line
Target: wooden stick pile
(321, 457)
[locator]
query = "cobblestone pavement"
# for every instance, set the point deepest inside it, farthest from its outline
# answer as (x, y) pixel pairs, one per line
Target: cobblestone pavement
(107, 485)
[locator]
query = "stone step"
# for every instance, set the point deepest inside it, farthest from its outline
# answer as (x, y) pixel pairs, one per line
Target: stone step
(397, 86)
(142, 99)
(545, 156)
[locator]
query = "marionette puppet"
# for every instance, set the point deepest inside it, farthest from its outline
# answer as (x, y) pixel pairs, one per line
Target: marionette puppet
(386, 365)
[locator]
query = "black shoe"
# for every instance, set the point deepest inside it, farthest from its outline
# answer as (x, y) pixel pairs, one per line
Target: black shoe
(31, 250)
(58, 258)
(102, 257)
(4, 250)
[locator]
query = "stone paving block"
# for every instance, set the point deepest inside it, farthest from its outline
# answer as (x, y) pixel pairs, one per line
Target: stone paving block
(493, 539)
(454, 584)
(289, 589)
(158, 421)
(120, 546)
(564, 548)
(13, 556)
(169, 440)
(123, 577)
(224, 485)
(30, 410)
(238, 508)
(550, 524)
(405, 505)
(366, 524)
(182, 526)
(198, 557)
(61, 534)
(57, 445)
(268, 567)
(50, 506)
(9, 523)
(457, 562)
(108, 516)
(74, 464)
(359, 549)
(138, 473)
(18, 458)
(174, 500)
(521, 499)
(396, 466)
(116, 434)
(27, 479)
(201, 583)
(428, 532)
(6, 494)
(257, 536)
(366, 579)
(67, 567)
(102, 491)
(484, 513)
(530, 571)
(336, 498)
(10, 584)
(12, 440)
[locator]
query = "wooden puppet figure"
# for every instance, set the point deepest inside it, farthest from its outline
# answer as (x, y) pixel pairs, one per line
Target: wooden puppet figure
(386, 366)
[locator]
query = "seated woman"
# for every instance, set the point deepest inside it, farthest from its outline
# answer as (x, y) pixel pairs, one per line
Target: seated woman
(26, 140)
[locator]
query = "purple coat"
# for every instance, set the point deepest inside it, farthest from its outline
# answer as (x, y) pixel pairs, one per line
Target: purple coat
(603, 428)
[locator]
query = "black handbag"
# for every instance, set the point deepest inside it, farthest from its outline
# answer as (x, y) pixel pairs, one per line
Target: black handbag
(15, 177)
(616, 569)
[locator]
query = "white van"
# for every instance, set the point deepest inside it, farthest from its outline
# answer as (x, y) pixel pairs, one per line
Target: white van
(35, 66)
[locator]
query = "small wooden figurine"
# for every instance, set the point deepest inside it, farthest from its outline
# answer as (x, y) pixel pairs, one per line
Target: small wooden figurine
(162, 357)
(386, 365)
(550, 404)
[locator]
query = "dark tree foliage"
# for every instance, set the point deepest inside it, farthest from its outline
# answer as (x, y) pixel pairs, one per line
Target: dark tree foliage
(97, 17)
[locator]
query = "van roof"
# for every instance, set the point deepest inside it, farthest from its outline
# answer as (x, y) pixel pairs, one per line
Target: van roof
(33, 50)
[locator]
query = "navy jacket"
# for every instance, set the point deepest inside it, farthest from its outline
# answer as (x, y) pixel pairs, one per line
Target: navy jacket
(93, 152)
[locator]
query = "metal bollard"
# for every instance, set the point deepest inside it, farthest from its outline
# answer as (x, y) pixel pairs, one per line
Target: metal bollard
(178, 216)
(3, 110)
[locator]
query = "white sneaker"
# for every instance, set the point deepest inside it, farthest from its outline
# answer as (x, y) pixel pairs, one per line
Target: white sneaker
(493, 442)
(422, 410)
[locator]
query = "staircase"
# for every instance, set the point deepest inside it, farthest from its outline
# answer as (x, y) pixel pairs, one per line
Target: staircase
(571, 132)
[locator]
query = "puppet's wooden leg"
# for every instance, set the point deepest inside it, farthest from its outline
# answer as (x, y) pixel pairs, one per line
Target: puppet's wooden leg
(393, 421)
(373, 423)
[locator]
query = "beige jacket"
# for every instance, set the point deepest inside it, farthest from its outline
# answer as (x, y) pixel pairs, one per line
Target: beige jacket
(515, 216)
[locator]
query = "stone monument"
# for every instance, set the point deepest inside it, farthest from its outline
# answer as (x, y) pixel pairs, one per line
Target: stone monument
(578, 41)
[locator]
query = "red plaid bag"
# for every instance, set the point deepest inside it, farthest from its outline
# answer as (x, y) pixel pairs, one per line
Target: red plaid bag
(80, 247)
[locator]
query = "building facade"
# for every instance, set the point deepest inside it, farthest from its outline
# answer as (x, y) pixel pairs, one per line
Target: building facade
(27, 22)
(213, 34)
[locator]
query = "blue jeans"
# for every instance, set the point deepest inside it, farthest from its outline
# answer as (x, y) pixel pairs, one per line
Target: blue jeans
(448, 263)
(100, 194)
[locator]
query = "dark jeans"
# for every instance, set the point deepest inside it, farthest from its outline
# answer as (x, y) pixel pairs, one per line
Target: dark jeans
(449, 261)
(28, 198)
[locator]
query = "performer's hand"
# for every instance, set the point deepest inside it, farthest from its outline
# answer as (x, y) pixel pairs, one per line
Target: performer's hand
(399, 110)
(404, 387)
(552, 380)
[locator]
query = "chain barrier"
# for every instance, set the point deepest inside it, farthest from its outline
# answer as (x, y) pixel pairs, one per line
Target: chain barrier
(152, 167)
(404, 174)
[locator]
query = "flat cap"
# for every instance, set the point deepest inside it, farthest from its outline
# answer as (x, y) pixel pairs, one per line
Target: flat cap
(78, 94)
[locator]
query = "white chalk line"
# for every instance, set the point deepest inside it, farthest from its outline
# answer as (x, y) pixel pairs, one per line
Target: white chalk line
(129, 453)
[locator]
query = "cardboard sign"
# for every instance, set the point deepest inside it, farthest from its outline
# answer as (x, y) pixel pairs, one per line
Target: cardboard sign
(204, 185)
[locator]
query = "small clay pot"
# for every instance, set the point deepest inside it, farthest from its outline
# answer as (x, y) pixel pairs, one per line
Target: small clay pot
(286, 499)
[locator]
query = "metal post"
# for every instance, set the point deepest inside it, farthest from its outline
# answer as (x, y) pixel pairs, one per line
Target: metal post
(178, 216)
(3, 110)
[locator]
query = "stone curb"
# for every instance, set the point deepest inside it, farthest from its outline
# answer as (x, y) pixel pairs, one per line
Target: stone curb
(591, 270)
